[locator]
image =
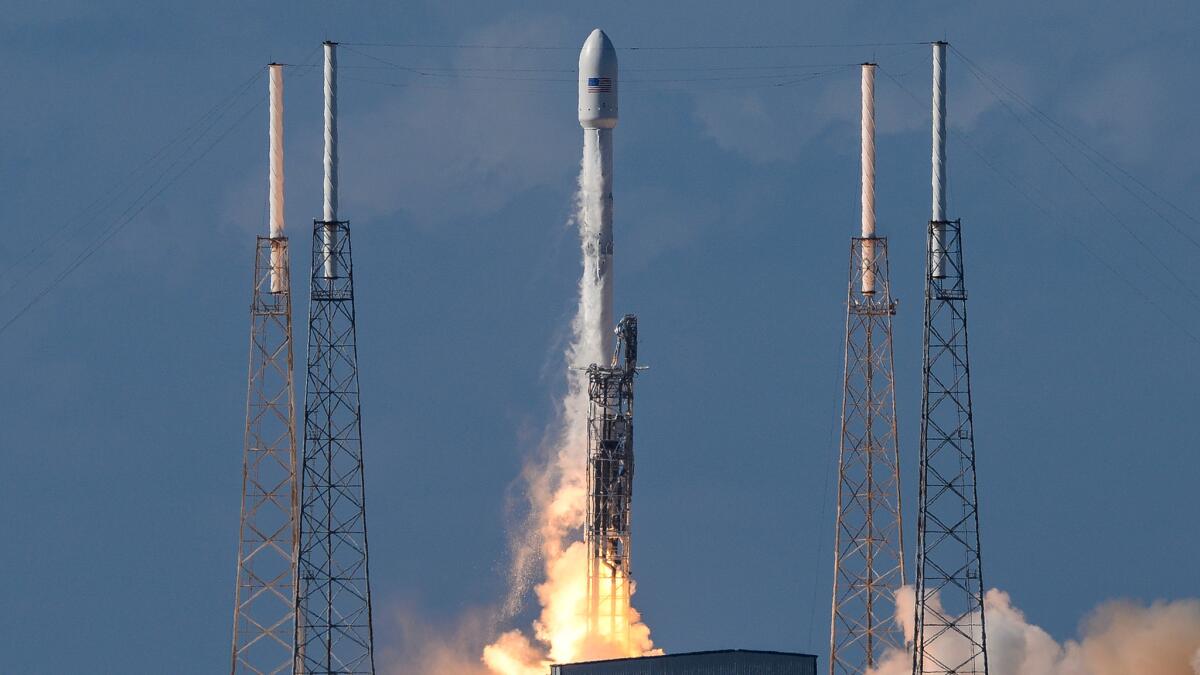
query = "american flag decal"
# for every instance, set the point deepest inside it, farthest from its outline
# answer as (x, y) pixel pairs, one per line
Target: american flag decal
(599, 85)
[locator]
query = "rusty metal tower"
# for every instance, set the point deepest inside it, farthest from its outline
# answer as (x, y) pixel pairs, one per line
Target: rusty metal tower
(950, 635)
(333, 598)
(610, 486)
(868, 563)
(264, 599)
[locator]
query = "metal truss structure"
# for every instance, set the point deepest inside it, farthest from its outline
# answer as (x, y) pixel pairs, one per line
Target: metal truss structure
(868, 564)
(610, 486)
(265, 596)
(950, 635)
(333, 599)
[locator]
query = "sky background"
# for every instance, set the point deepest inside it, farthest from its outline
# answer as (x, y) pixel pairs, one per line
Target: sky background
(124, 394)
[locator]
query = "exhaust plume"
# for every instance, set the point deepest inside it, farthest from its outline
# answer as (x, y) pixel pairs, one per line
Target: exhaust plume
(1119, 637)
(556, 487)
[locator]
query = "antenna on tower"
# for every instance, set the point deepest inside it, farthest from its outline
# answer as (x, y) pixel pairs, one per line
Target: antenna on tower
(334, 631)
(868, 564)
(264, 604)
(949, 630)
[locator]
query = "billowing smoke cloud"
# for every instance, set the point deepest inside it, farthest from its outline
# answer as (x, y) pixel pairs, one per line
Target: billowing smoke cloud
(556, 488)
(1118, 638)
(421, 646)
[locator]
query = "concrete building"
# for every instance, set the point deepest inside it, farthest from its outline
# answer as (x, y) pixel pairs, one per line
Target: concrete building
(724, 662)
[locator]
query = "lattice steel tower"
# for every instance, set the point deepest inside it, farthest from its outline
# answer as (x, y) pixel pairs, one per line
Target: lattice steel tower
(868, 563)
(610, 486)
(265, 595)
(950, 635)
(333, 600)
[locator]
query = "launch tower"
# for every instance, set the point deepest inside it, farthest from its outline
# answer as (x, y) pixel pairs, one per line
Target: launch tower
(266, 570)
(868, 564)
(610, 486)
(333, 599)
(949, 636)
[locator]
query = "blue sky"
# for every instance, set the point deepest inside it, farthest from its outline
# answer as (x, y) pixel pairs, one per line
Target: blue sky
(125, 384)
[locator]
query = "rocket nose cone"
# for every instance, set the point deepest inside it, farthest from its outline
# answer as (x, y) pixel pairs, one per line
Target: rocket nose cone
(598, 52)
(598, 82)
(598, 39)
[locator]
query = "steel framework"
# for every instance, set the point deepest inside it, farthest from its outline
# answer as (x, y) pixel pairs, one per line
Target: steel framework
(265, 596)
(868, 564)
(610, 486)
(950, 636)
(333, 600)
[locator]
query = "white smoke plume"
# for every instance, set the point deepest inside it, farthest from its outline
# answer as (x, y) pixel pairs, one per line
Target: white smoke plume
(423, 645)
(556, 489)
(1117, 638)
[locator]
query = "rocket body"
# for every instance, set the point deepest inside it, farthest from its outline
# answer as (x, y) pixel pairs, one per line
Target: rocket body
(598, 117)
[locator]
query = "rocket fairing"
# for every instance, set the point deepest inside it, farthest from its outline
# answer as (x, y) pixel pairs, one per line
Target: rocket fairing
(598, 82)
(598, 117)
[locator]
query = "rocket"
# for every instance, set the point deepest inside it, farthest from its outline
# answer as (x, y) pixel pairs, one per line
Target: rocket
(598, 117)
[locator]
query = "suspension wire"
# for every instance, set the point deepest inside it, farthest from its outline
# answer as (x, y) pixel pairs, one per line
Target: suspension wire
(1093, 155)
(1026, 193)
(624, 69)
(793, 81)
(643, 48)
(1087, 188)
(126, 218)
(819, 554)
(163, 181)
(464, 73)
(751, 81)
(98, 205)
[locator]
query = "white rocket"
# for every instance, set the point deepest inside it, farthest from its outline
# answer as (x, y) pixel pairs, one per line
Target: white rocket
(598, 117)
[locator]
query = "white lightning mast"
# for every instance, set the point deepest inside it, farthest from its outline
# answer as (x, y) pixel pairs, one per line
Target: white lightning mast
(330, 211)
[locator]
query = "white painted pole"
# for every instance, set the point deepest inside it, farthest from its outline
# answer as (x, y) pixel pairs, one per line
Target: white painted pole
(868, 178)
(330, 210)
(275, 177)
(937, 244)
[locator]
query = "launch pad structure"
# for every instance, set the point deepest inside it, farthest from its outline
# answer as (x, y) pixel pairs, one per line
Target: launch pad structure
(610, 486)
(262, 640)
(869, 548)
(334, 631)
(868, 565)
(266, 568)
(950, 635)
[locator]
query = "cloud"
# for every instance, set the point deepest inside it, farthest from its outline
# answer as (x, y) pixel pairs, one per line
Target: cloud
(421, 647)
(776, 124)
(458, 143)
(1124, 108)
(1118, 638)
(771, 125)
